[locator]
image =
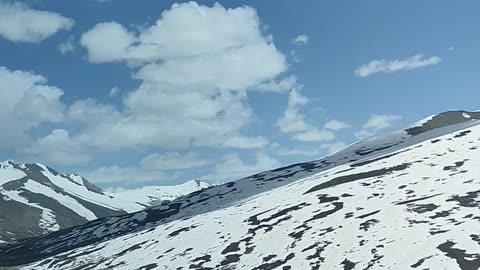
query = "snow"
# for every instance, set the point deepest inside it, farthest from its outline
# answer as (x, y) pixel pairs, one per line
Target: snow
(47, 222)
(9, 173)
(77, 178)
(82, 192)
(70, 191)
(423, 121)
(384, 203)
(62, 199)
(151, 195)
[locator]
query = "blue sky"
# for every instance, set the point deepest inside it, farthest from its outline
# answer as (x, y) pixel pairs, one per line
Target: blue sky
(131, 93)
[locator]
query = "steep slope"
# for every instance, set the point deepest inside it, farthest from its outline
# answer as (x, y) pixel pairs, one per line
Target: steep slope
(35, 199)
(400, 201)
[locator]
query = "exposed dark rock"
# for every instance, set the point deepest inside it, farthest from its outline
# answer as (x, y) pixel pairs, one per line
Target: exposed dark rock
(465, 261)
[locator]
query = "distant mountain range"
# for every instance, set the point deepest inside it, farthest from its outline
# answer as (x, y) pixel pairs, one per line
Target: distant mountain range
(409, 199)
(35, 199)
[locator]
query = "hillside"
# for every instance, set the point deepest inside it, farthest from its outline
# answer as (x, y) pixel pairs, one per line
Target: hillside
(407, 199)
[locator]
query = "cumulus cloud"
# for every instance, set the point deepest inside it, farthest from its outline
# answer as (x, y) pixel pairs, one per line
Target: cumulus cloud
(380, 121)
(333, 147)
(363, 133)
(283, 85)
(335, 125)
(107, 42)
(298, 152)
(114, 91)
(187, 30)
(196, 65)
(128, 174)
(390, 66)
(58, 149)
(294, 122)
(26, 103)
(295, 56)
(172, 161)
(375, 123)
(322, 149)
(155, 167)
(19, 23)
(233, 168)
(301, 40)
(313, 135)
(67, 46)
(243, 142)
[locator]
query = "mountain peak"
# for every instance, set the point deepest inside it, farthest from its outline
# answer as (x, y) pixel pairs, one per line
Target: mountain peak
(42, 200)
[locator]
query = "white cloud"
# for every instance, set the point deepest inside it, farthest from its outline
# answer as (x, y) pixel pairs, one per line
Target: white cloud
(172, 161)
(58, 149)
(298, 152)
(375, 123)
(390, 66)
(325, 148)
(380, 121)
(128, 174)
(191, 32)
(114, 91)
(333, 147)
(292, 120)
(283, 85)
(196, 65)
(244, 142)
(107, 42)
(233, 168)
(174, 122)
(295, 55)
(301, 40)
(93, 112)
(314, 135)
(155, 167)
(295, 123)
(19, 23)
(67, 46)
(335, 125)
(363, 133)
(26, 103)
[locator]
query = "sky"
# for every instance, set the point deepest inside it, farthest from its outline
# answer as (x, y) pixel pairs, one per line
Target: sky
(132, 93)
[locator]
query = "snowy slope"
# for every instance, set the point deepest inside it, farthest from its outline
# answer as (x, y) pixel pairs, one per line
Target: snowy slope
(406, 200)
(35, 199)
(152, 195)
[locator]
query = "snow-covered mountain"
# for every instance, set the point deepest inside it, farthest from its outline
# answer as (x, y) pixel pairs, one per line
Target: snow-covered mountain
(406, 200)
(35, 199)
(152, 195)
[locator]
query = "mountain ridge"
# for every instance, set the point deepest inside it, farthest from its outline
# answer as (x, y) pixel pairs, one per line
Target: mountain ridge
(354, 209)
(35, 199)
